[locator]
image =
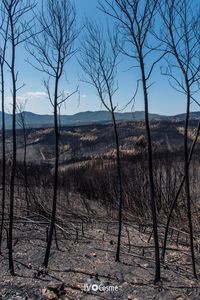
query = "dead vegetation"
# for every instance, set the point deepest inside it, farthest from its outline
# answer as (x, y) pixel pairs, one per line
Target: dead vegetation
(86, 239)
(86, 231)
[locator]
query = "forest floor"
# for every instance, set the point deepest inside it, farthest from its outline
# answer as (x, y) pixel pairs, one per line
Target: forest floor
(87, 255)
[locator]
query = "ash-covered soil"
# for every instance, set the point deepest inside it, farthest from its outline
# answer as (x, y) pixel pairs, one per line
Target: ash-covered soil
(87, 247)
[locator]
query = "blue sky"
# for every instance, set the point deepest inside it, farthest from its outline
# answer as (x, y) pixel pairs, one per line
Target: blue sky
(163, 99)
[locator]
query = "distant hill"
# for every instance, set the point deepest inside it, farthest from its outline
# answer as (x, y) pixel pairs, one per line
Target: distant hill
(88, 117)
(195, 115)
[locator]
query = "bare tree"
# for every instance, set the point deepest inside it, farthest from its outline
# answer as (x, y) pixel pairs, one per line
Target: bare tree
(179, 33)
(51, 49)
(135, 20)
(99, 58)
(3, 47)
(16, 11)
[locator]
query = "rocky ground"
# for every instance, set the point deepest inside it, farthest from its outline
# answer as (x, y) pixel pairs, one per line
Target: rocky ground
(87, 255)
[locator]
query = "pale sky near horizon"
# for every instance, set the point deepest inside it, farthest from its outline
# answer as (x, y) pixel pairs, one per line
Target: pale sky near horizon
(163, 99)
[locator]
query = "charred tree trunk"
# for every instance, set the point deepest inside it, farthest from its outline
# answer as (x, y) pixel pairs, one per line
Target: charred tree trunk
(17, 29)
(120, 189)
(3, 51)
(150, 170)
(14, 148)
(187, 181)
(3, 154)
(55, 188)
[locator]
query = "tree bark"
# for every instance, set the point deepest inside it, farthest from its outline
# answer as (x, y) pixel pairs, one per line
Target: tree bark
(120, 189)
(150, 170)
(55, 188)
(14, 147)
(187, 181)
(3, 154)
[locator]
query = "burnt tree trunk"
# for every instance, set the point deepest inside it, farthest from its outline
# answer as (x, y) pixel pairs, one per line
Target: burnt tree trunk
(150, 170)
(14, 148)
(120, 189)
(187, 181)
(55, 188)
(3, 154)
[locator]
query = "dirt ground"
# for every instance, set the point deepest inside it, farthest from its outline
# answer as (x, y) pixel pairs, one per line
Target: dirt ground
(86, 255)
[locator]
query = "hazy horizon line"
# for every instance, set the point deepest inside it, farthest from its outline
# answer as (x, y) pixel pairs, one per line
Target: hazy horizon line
(95, 111)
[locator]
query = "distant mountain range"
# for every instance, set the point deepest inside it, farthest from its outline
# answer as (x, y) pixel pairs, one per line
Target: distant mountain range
(89, 117)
